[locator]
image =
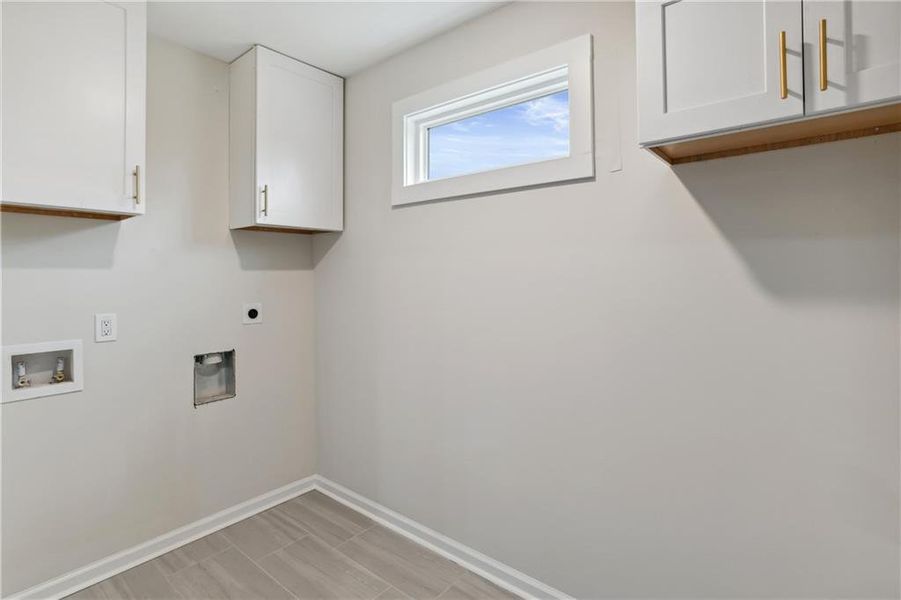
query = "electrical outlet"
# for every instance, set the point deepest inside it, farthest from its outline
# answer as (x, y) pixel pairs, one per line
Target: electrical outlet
(105, 328)
(253, 313)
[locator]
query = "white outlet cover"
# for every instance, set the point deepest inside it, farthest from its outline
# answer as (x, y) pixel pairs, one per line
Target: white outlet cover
(105, 327)
(258, 307)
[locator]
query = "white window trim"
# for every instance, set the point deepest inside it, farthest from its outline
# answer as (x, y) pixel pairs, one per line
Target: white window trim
(564, 66)
(417, 125)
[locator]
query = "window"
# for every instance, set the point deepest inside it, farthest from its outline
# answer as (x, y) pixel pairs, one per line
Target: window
(527, 132)
(522, 123)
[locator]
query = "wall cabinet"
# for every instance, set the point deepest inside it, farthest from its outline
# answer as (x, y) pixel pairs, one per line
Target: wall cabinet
(286, 144)
(713, 68)
(852, 50)
(74, 78)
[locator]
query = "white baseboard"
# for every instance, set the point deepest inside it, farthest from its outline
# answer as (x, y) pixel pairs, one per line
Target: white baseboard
(86, 576)
(497, 572)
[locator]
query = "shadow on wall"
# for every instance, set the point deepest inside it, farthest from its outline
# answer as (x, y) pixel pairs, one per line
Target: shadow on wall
(322, 244)
(273, 251)
(46, 242)
(818, 223)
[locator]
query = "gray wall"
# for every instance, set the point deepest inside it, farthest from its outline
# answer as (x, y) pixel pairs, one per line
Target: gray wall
(661, 383)
(92, 473)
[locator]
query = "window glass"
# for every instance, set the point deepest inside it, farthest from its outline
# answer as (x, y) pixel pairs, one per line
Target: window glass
(527, 132)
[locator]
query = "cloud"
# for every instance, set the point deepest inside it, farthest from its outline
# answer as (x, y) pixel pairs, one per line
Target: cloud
(553, 110)
(455, 155)
(467, 125)
(532, 131)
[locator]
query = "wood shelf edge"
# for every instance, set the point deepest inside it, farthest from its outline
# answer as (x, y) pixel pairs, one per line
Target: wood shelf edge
(816, 130)
(284, 230)
(60, 212)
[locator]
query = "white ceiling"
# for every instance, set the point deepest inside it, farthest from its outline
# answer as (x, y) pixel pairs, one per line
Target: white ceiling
(341, 37)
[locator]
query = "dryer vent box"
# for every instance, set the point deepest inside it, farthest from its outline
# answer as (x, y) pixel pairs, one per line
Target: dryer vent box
(214, 376)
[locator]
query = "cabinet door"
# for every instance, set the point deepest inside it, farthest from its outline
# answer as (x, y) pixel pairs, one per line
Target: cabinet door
(73, 105)
(299, 144)
(862, 48)
(707, 66)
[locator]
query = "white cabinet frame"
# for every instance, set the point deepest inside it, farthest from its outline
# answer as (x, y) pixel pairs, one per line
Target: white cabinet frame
(286, 136)
(842, 68)
(60, 156)
(660, 122)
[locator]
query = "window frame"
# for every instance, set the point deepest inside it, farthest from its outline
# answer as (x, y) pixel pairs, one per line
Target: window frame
(563, 66)
(419, 124)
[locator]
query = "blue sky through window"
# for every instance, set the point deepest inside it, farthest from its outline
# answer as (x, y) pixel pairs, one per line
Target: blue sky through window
(530, 131)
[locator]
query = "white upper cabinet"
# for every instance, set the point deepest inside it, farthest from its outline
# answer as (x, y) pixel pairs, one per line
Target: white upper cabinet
(706, 66)
(74, 77)
(852, 50)
(286, 144)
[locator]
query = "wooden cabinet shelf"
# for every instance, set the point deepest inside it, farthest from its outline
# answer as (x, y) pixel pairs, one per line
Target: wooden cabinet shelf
(58, 212)
(815, 130)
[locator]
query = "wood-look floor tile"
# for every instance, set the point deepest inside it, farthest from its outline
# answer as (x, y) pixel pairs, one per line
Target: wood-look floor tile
(191, 554)
(264, 533)
(470, 586)
(144, 582)
(322, 520)
(228, 575)
(312, 570)
(411, 568)
(392, 593)
(335, 511)
(311, 547)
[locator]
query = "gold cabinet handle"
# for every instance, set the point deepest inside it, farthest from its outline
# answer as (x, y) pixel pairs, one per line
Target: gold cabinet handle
(137, 176)
(783, 68)
(265, 209)
(824, 68)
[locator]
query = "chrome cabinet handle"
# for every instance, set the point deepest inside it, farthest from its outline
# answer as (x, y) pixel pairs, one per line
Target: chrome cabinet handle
(137, 177)
(265, 209)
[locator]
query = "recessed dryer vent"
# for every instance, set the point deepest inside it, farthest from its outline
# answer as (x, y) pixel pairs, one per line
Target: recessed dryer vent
(214, 376)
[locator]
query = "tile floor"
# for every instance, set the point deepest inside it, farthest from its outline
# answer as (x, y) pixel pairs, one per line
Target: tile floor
(310, 547)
